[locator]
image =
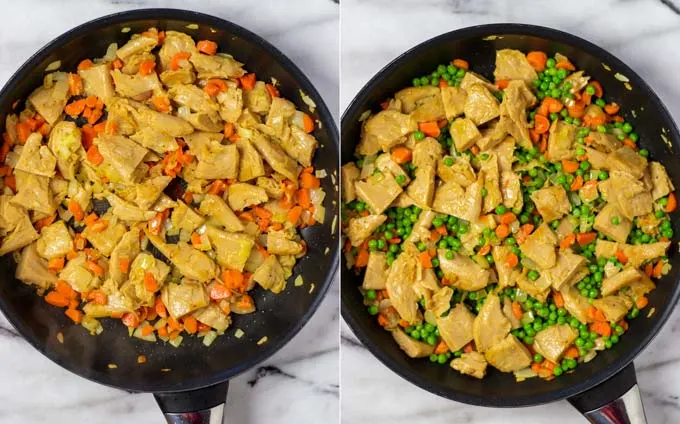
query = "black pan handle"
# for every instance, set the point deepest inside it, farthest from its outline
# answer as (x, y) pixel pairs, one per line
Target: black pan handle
(202, 406)
(616, 401)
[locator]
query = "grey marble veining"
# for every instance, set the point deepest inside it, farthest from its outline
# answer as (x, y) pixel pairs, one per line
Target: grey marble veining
(34, 390)
(642, 33)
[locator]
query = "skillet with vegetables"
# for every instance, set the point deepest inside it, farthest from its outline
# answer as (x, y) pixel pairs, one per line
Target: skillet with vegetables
(515, 224)
(157, 185)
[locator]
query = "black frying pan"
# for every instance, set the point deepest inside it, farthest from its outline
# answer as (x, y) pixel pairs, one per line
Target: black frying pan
(600, 388)
(176, 375)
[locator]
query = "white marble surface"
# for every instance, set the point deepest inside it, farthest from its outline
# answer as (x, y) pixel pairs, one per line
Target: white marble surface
(644, 34)
(34, 390)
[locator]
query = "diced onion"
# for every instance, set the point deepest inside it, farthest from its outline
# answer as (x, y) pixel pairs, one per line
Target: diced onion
(209, 338)
(523, 374)
(262, 341)
(298, 281)
(176, 341)
(430, 317)
(239, 333)
(589, 356)
(53, 66)
(527, 317)
(520, 296)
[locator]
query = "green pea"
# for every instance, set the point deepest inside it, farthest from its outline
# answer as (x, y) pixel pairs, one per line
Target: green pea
(550, 63)
(533, 275)
(421, 246)
(484, 192)
(557, 371)
(590, 90)
(644, 153)
(389, 235)
(600, 102)
(627, 127)
(484, 156)
(634, 136)
(371, 294)
(601, 128)
(373, 310)
(419, 135)
(659, 213)
(585, 165)
(616, 220)
(449, 255)
(400, 179)
(448, 161)
(603, 175)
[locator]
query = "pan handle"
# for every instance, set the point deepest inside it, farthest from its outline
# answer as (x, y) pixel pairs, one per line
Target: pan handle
(616, 401)
(202, 406)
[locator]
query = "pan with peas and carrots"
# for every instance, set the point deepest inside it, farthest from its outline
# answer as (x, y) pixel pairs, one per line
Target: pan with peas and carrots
(594, 369)
(189, 381)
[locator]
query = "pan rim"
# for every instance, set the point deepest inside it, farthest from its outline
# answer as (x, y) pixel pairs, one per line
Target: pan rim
(329, 125)
(349, 311)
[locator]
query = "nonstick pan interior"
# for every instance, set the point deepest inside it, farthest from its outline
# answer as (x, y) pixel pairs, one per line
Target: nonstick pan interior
(278, 317)
(639, 105)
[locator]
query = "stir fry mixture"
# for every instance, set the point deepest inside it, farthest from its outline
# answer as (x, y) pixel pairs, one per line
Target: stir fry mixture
(157, 185)
(514, 223)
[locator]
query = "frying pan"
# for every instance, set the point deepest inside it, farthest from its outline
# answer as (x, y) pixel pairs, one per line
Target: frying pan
(605, 389)
(190, 383)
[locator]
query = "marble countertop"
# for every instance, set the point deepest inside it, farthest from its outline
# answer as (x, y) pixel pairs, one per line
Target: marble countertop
(34, 390)
(642, 33)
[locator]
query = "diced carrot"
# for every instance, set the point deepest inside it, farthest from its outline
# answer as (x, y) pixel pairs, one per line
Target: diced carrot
(535, 367)
(163, 331)
(294, 214)
(558, 299)
(99, 226)
(468, 347)
(611, 109)
(565, 64)
(23, 131)
(75, 108)
(672, 204)
(537, 60)
(572, 352)
(602, 328)
(273, 91)
(541, 124)
(484, 250)
(517, 309)
(308, 123)
(64, 288)
(162, 104)
(124, 265)
(303, 198)
(547, 364)
(441, 347)
(217, 187)
(11, 182)
(658, 269)
(85, 64)
(57, 299)
(430, 128)
(215, 86)
(641, 302)
(75, 84)
(77, 211)
(95, 268)
(177, 60)
(577, 110)
(425, 260)
(94, 156)
(553, 105)
(95, 115)
(443, 83)
(544, 144)
(649, 268)
(599, 315)
(156, 223)
(461, 63)
(577, 183)
(117, 64)
(56, 264)
(45, 222)
(150, 282)
(130, 319)
(511, 260)
(362, 259)
(248, 81)
(502, 84)
(507, 218)
(91, 219)
(147, 330)
(75, 315)
(402, 155)
(207, 47)
(598, 88)
(502, 231)
(382, 320)
(569, 166)
(190, 324)
(159, 307)
(621, 256)
(567, 241)
(309, 181)
(585, 238)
